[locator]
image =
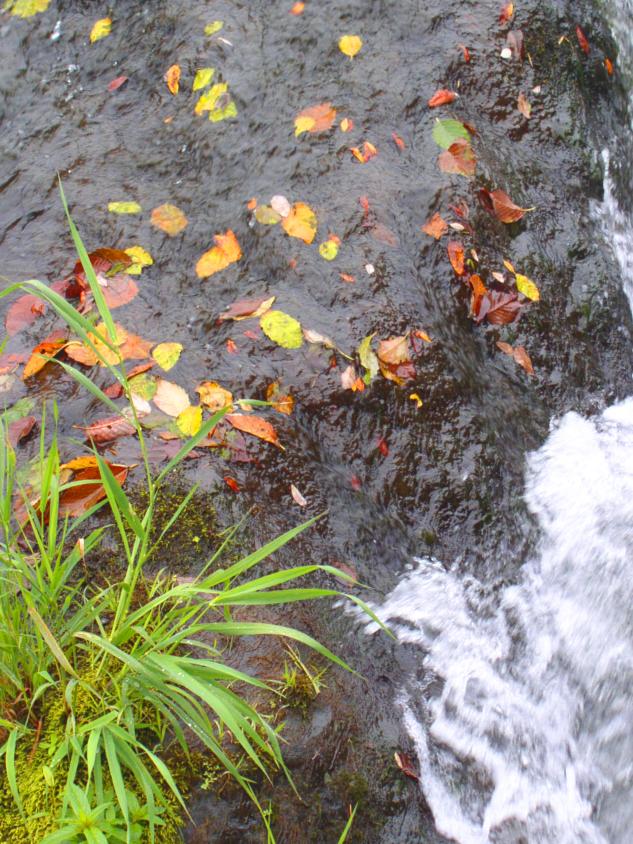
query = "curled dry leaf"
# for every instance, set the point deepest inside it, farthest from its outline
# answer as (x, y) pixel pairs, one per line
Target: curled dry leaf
(298, 498)
(405, 763)
(435, 227)
(246, 309)
(226, 251)
(479, 290)
(456, 256)
(172, 78)
(171, 398)
(108, 430)
(319, 339)
(317, 118)
(254, 425)
(519, 354)
(169, 219)
(442, 97)
(350, 380)
(301, 222)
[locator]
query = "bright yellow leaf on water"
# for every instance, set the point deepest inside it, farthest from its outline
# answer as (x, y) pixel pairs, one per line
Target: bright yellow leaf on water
(527, 287)
(328, 250)
(226, 251)
(416, 398)
(189, 421)
(301, 222)
(100, 30)
(169, 219)
(213, 396)
(140, 259)
(202, 78)
(282, 329)
(350, 45)
(166, 355)
(218, 102)
(213, 27)
(172, 78)
(124, 208)
(26, 8)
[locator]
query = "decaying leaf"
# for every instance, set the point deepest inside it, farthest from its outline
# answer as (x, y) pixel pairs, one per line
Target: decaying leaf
(519, 354)
(42, 353)
(297, 497)
(108, 430)
(368, 358)
(499, 307)
(364, 153)
(116, 83)
(76, 500)
(404, 761)
(282, 403)
(319, 339)
(435, 227)
(254, 425)
(514, 43)
(395, 350)
(456, 256)
(247, 309)
(169, 218)
(442, 97)
(226, 251)
(213, 396)
(350, 45)
(582, 40)
(170, 398)
(267, 216)
(524, 106)
(506, 13)
(318, 118)
(301, 222)
(166, 355)
(18, 429)
(282, 329)
(459, 158)
(350, 380)
(100, 30)
(172, 78)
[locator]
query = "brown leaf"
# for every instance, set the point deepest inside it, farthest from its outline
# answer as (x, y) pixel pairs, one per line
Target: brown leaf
(254, 425)
(499, 307)
(395, 350)
(23, 312)
(524, 106)
(442, 97)
(458, 158)
(20, 428)
(499, 203)
(456, 256)
(382, 234)
(519, 354)
(280, 402)
(246, 308)
(514, 41)
(405, 763)
(582, 40)
(76, 500)
(108, 430)
(435, 227)
(102, 260)
(213, 396)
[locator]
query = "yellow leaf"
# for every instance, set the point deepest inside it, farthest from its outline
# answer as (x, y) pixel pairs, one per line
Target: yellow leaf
(140, 258)
(169, 218)
(189, 421)
(226, 251)
(213, 27)
(218, 102)
(509, 266)
(416, 398)
(26, 8)
(170, 398)
(172, 78)
(328, 250)
(124, 208)
(301, 222)
(282, 329)
(303, 124)
(100, 30)
(213, 396)
(203, 78)
(527, 287)
(350, 45)
(166, 355)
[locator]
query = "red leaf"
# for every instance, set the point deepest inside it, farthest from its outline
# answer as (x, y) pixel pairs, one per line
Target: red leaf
(108, 430)
(398, 141)
(20, 428)
(582, 40)
(383, 448)
(24, 311)
(499, 307)
(231, 483)
(466, 52)
(117, 83)
(456, 256)
(442, 97)
(102, 261)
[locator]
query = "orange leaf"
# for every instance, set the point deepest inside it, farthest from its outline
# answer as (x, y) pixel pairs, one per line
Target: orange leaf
(77, 500)
(172, 78)
(609, 66)
(395, 350)
(317, 118)
(466, 52)
(350, 380)
(504, 208)
(23, 312)
(398, 141)
(478, 292)
(297, 8)
(519, 354)
(506, 13)
(226, 251)
(301, 222)
(442, 97)
(213, 396)
(458, 158)
(582, 40)
(281, 403)
(169, 218)
(524, 106)
(435, 227)
(365, 154)
(41, 354)
(456, 256)
(254, 425)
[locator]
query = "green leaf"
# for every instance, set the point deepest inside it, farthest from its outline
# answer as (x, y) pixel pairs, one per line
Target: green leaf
(282, 329)
(52, 642)
(446, 132)
(368, 358)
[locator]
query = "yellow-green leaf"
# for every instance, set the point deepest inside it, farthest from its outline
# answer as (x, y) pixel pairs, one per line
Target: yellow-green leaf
(26, 8)
(166, 355)
(203, 78)
(368, 358)
(100, 30)
(213, 27)
(282, 329)
(189, 421)
(328, 250)
(218, 102)
(267, 215)
(140, 258)
(527, 287)
(124, 208)
(350, 45)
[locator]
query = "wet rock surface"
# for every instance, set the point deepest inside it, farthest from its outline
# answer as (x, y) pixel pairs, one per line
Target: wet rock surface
(451, 482)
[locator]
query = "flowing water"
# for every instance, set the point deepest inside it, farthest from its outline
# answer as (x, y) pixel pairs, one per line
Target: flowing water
(522, 715)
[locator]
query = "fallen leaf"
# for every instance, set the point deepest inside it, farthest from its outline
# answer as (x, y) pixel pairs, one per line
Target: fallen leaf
(118, 290)
(301, 222)
(435, 227)
(466, 52)
(135, 347)
(170, 398)
(328, 250)
(365, 153)
(282, 329)
(456, 256)
(499, 307)
(514, 42)
(350, 380)
(297, 497)
(609, 66)
(416, 398)
(166, 355)
(446, 132)
(108, 430)
(254, 425)
(398, 141)
(459, 158)
(479, 290)
(218, 102)
(506, 13)
(124, 208)
(19, 429)
(346, 125)
(347, 277)
(117, 83)
(247, 308)
(403, 761)
(100, 30)
(319, 339)
(226, 251)
(213, 396)
(317, 118)
(231, 483)
(382, 446)
(267, 216)
(395, 350)
(280, 402)
(500, 204)
(169, 218)
(23, 312)
(519, 354)
(140, 259)
(350, 45)
(382, 234)
(582, 40)
(172, 78)
(41, 354)
(75, 500)
(203, 77)
(213, 27)
(231, 347)
(26, 8)
(527, 287)
(368, 358)
(297, 8)
(442, 97)
(524, 106)
(189, 421)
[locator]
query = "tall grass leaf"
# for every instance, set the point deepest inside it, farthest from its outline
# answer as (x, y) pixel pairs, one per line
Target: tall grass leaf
(119, 501)
(52, 642)
(10, 768)
(116, 775)
(348, 826)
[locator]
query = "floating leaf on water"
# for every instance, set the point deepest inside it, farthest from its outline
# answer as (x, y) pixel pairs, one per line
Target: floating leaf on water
(266, 215)
(101, 29)
(297, 497)
(346, 125)
(446, 132)
(319, 339)
(218, 102)
(172, 78)
(416, 398)
(124, 208)
(524, 106)
(328, 249)
(459, 158)
(226, 251)
(247, 308)
(527, 287)
(301, 222)
(254, 425)
(170, 398)
(506, 13)
(364, 153)
(499, 203)
(282, 329)
(350, 380)
(404, 762)
(442, 97)
(118, 290)
(108, 430)
(280, 402)
(203, 77)
(456, 256)
(169, 219)
(189, 421)
(350, 45)
(519, 354)
(23, 312)
(368, 358)
(117, 83)
(317, 118)
(297, 8)
(582, 40)
(26, 8)
(398, 141)
(140, 259)
(499, 307)
(436, 226)
(166, 355)
(395, 350)
(213, 396)
(213, 27)
(143, 385)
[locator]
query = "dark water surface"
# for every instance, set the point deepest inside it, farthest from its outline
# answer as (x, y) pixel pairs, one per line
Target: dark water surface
(452, 479)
